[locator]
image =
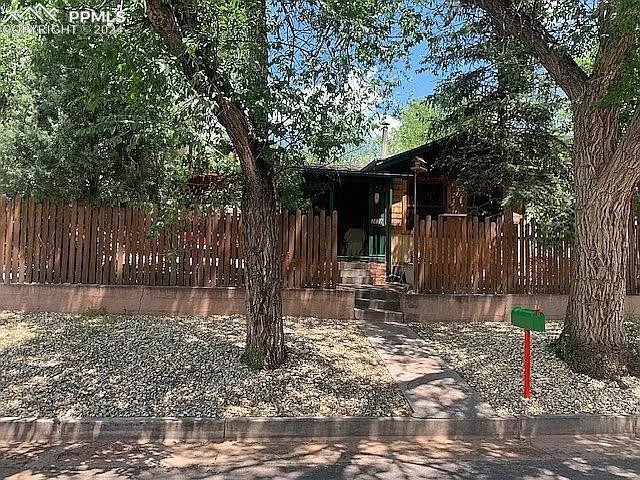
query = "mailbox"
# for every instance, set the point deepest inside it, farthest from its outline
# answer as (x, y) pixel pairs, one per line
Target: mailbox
(528, 319)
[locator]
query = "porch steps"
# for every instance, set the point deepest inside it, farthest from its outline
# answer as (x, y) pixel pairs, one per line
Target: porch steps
(355, 265)
(356, 281)
(378, 293)
(378, 304)
(375, 314)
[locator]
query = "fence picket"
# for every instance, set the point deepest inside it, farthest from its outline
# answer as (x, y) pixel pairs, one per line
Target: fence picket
(297, 228)
(8, 239)
(215, 224)
(51, 245)
(4, 220)
(139, 252)
(56, 242)
(22, 248)
(303, 251)
(235, 235)
(29, 241)
(120, 251)
(321, 253)
(15, 239)
(334, 248)
(93, 246)
(110, 246)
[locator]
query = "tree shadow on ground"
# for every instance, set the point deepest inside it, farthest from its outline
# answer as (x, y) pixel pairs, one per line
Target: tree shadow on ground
(435, 390)
(586, 458)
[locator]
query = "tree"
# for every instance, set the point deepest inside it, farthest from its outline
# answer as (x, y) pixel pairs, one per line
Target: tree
(605, 156)
(88, 117)
(108, 118)
(511, 145)
(278, 76)
(418, 125)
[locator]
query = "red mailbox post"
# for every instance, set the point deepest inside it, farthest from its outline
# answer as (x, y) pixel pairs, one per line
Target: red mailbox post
(526, 380)
(528, 320)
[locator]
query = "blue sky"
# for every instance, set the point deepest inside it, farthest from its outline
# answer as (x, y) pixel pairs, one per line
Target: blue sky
(414, 84)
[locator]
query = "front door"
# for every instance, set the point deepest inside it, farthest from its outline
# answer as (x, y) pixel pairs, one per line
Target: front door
(378, 205)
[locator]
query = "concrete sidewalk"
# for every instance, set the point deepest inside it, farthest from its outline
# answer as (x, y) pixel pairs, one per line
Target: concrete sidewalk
(543, 458)
(432, 389)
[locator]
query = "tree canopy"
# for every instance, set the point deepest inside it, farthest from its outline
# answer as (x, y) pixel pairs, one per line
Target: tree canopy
(418, 125)
(98, 118)
(509, 119)
(109, 118)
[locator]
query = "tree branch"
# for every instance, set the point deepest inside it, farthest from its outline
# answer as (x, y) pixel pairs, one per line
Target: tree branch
(610, 59)
(232, 117)
(509, 20)
(163, 20)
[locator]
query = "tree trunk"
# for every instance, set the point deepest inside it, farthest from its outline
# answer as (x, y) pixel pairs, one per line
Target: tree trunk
(606, 160)
(265, 345)
(248, 133)
(593, 340)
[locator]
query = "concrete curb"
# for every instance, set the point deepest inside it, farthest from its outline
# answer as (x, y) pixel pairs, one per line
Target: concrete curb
(15, 430)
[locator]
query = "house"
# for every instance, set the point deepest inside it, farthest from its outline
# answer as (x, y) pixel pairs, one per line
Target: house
(375, 206)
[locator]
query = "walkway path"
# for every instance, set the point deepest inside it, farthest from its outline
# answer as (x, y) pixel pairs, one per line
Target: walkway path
(432, 389)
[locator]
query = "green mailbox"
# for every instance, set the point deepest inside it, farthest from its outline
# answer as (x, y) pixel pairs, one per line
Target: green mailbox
(528, 319)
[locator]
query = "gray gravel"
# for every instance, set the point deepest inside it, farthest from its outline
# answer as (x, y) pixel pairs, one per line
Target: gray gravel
(489, 357)
(105, 365)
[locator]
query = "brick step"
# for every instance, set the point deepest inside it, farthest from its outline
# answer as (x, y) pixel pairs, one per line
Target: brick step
(356, 281)
(379, 304)
(377, 315)
(354, 265)
(354, 272)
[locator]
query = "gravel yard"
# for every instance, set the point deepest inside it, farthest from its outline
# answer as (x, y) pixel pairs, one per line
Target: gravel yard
(489, 357)
(96, 365)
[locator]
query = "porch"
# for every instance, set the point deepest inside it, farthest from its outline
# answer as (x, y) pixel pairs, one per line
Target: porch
(377, 206)
(363, 201)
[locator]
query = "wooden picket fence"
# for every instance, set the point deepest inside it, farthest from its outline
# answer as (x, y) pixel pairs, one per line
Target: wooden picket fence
(468, 255)
(60, 242)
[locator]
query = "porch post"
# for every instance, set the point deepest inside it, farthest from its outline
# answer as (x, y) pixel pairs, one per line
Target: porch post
(417, 165)
(389, 230)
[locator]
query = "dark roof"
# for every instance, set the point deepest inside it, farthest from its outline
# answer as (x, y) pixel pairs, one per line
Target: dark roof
(427, 152)
(342, 167)
(394, 166)
(332, 171)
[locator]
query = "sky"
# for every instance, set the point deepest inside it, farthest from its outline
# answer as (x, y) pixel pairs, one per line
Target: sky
(414, 84)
